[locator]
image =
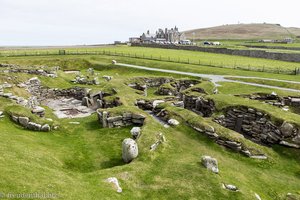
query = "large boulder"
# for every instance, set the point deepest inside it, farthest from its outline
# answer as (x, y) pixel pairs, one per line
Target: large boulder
(129, 150)
(210, 163)
(287, 129)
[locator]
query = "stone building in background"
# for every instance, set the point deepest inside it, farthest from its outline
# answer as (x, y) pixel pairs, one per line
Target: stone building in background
(160, 36)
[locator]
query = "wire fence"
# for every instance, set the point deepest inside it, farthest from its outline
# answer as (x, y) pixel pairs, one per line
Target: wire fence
(236, 66)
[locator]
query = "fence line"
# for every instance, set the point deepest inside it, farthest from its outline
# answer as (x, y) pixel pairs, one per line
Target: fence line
(278, 70)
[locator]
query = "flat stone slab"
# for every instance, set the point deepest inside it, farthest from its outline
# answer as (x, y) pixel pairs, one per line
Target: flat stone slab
(68, 108)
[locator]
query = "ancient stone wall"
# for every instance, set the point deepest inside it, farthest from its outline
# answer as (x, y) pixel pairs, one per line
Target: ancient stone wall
(199, 105)
(258, 127)
(126, 119)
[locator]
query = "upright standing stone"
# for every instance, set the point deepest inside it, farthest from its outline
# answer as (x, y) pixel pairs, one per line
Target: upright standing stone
(104, 119)
(238, 124)
(129, 150)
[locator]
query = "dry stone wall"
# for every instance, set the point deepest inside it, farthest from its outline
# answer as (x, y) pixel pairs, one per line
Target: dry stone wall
(126, 119)
(258, 127)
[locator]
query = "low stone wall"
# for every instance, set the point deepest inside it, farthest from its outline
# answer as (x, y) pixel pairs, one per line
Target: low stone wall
(126, 119)
(258, 127)
(26, 123)
(17, 69)
(290, 57)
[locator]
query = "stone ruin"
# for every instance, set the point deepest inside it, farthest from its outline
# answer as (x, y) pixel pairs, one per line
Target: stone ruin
(107, 120)
(41, 70)
(174, 88)
(199, 105)
(66, 103)
(275, 100)
(166, 86)
(26, 123)
(258, 127)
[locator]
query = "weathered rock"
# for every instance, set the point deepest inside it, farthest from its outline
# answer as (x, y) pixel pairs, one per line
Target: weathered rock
(210, 163)
(115, 182)
(135, 132)
(288, 144)
(38, 110)
(296, 139)
(173, 122)
(157, 102)
(46, 128)
(129, 150)
(114, 119)
(24, 121)
(230, 187)
(286, 129)
(34, 126)
(15, 118)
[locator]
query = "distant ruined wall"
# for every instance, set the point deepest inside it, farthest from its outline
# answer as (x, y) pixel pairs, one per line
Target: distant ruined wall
(290, 57)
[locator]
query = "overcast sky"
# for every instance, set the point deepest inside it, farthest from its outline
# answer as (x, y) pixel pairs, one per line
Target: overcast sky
(72, 22)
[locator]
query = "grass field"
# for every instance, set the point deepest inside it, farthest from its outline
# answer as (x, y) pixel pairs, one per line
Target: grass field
(199, 58)
(74, 161)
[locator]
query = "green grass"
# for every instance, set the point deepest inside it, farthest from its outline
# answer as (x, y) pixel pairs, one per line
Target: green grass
(269, 82)
(74, 160)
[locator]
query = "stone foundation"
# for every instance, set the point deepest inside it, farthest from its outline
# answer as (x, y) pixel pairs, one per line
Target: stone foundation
(199, 105)
(126, 119)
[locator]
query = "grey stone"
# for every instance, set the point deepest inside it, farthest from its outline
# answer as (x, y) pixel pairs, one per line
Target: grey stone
(210, 163)
(114, 119)
(138, 116)
(230, 187)
(104, 119)
(129, 150)
(296, 139)
(135, 132)
(24, 121)
(284, 143)
(173, 122)
(46, 128)
(287, 129)
(34, 126)
(38, 109)
(15, 118)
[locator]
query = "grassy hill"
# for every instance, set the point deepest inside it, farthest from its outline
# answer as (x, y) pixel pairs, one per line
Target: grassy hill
(244, 32)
